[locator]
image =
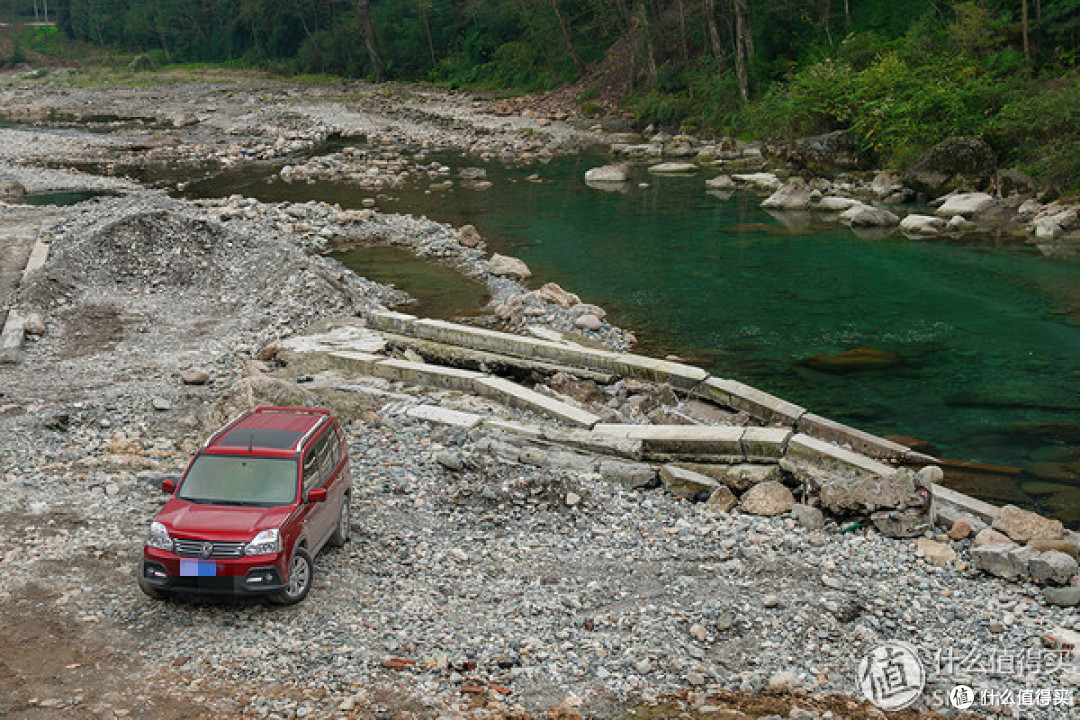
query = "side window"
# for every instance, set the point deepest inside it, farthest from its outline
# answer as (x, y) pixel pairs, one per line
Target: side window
(312, 475)
(328, 453)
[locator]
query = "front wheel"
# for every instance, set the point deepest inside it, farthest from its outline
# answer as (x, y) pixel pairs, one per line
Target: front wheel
(301, 575)
(341, 532)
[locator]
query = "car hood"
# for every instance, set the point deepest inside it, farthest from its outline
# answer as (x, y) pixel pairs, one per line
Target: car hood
(214, 522)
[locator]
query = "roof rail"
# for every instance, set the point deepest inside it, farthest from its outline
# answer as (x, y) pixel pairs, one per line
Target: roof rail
(228, 426)
(312, 431)
(275, 409)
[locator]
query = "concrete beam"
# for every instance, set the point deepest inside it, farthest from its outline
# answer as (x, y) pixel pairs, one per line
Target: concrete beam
(474, 359)
(757, 403)
(860, 441)
(522, 398)
(810, 455)
(638, 366)
(425, 374)
(767, 445)
(581, 439)
(674, 442)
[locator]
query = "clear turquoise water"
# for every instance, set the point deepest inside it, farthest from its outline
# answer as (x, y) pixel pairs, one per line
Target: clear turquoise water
(986, 336)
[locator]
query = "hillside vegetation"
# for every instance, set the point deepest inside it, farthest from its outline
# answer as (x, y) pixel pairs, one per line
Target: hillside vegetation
(900, 75)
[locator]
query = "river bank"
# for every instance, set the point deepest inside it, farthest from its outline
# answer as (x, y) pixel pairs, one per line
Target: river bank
(458, 588)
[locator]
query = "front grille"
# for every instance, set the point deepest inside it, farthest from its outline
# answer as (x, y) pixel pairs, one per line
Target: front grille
(219, 550)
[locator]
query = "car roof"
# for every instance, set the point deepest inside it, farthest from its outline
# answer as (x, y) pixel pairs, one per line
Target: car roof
(268, 431)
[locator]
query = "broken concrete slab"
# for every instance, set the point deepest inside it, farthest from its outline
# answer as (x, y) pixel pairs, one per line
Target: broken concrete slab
(688, 484)
(631, 475)
(444, 416)
(1003, 560)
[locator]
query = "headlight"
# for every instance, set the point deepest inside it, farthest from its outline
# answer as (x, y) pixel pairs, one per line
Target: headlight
(265, 543)
(159, 537)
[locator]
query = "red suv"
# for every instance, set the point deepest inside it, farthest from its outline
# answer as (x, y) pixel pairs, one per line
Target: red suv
(258, 501)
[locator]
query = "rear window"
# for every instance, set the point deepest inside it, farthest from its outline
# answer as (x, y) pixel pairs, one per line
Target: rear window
(237, 480)
(260, 437)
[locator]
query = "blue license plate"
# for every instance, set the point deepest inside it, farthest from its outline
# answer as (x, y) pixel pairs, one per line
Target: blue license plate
(198, 568)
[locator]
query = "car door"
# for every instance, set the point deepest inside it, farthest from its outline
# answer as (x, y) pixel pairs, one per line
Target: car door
(313, 514)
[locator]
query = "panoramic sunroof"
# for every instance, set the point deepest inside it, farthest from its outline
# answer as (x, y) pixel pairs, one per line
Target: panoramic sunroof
(262, 438)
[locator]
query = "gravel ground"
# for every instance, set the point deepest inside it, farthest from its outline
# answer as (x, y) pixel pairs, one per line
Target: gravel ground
(488, 591)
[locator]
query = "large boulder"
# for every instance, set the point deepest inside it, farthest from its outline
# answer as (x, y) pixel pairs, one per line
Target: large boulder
(848, 494)
(826, 154)
(959, 163)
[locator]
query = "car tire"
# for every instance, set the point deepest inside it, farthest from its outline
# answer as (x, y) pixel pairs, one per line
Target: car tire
(298, 584)
(152, 592)
(342, 529)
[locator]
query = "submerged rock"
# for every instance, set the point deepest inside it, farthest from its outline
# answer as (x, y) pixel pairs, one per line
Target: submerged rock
(854, 360)
(673, 168)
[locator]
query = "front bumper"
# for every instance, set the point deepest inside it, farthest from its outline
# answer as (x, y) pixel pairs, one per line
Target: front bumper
(255, 575)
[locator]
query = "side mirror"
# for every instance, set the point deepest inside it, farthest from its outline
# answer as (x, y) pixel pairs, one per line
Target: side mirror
(168, 486)
(316, 495)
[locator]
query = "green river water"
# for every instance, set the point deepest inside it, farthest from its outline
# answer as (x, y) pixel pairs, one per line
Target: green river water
(975, 346)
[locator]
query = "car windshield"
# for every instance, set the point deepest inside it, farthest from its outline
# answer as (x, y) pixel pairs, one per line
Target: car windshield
(233, 480)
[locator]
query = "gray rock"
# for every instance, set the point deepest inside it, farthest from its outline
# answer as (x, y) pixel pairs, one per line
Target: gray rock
(505, 266)
(739, 478)
(966, 205)
(922, 225)
(1053, 566)
(1062, 596)
(959, 163)
(769, 498)
(794, 195)
(195, 376)
(1005, 561)
(588, 321)
(844, 495)
(723, 499)
(617, 173)
(1024, 525)
(631, 475)
(809, 517)
(826, 154)
(161, 404)
(34, 324)
(449, 460)
(12, 191)
(469, 236)
(867, 216)
(906, 523)
(673, 168)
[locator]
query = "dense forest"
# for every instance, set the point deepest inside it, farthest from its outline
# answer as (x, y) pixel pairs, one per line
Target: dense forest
(899, 74)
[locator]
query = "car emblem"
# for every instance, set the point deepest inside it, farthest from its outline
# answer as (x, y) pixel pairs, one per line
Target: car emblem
(207, 549)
